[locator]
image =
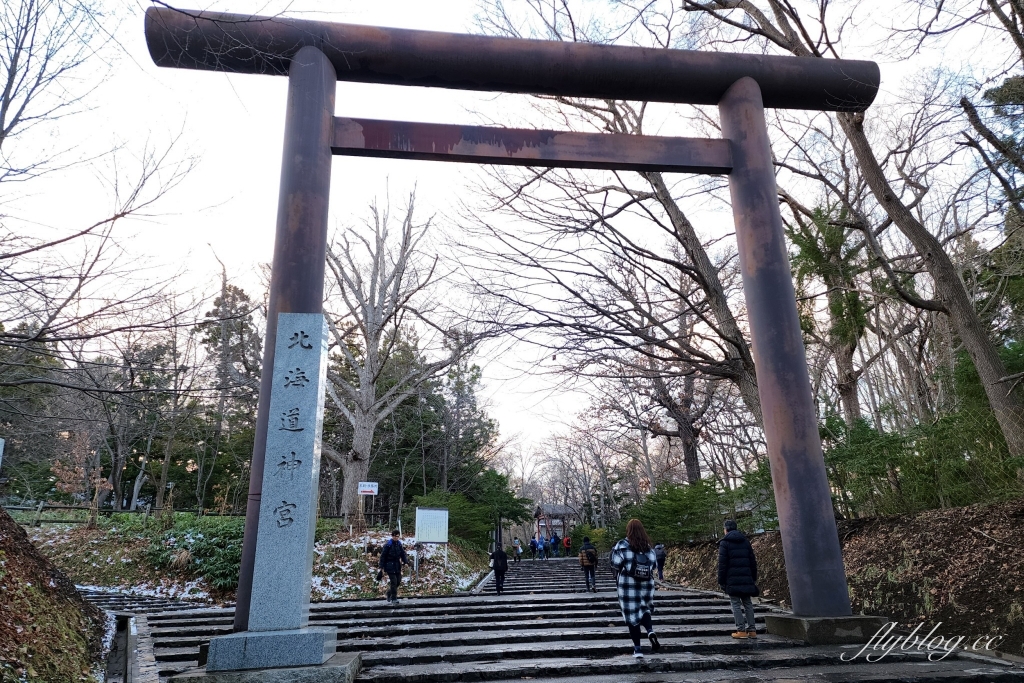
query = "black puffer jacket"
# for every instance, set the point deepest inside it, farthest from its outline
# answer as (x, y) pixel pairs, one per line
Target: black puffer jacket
(393, 556)
(737, 568)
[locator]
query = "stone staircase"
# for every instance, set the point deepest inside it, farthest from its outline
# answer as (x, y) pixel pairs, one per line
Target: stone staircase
(134, 604)
(553, 633)
(557, 575)
(564, 637)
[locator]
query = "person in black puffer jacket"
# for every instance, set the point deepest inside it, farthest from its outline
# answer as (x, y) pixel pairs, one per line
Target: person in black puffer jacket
(392, 558)
(737, 576)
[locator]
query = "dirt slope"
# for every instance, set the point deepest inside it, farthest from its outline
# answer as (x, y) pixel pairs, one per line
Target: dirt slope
(963, 567)
(47, 631)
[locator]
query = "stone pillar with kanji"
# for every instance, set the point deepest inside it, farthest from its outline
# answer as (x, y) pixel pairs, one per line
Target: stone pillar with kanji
(278, 633)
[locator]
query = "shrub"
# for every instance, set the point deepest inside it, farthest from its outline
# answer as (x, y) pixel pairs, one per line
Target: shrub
(208, 547)
(601, 538)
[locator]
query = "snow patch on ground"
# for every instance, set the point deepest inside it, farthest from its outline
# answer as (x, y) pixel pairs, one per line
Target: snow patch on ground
(344, 566)
(191, 591)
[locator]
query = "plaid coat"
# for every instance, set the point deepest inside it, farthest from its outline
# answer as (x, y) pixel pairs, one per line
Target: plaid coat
(636, 597)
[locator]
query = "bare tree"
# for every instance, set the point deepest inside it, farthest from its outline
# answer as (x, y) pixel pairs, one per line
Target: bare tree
(777, 24)
(606, 208)
(379, 293)
(44, 50)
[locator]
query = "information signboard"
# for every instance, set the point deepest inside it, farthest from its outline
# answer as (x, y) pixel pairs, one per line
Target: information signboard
(431, 525)
(367, 488)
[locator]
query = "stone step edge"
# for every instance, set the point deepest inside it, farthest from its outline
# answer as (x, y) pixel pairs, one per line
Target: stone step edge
(389, 633)
(619, 663)
(487, 609)
(427, 628)
(671, 640)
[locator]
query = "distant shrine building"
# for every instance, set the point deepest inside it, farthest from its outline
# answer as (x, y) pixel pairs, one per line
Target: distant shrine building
(557, 518)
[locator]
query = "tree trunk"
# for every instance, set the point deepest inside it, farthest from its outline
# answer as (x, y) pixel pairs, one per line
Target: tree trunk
(165, 466)
(949, 288)
(847, 383)
(357, 464)
(690, 460)
(142, 476)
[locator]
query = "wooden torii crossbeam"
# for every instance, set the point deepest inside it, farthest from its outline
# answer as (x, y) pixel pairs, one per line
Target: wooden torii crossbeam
(315, 55)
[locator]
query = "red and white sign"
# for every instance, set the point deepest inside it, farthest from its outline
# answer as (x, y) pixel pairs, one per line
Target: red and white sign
(367, 488)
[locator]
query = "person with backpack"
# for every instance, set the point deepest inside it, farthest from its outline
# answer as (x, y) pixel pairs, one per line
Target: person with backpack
(567, 544)
(737, 576)
(392, 558)
(499, 563)
(659, 552)
(517, 549)
(633, 563)
(588, 560)
(541, 543)
(554, 544)
(533, 548)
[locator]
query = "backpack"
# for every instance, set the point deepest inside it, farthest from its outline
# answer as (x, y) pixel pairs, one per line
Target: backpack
(588, 557)
(641, 567)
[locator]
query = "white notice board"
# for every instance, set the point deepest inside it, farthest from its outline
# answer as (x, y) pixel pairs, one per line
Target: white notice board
(431, 525)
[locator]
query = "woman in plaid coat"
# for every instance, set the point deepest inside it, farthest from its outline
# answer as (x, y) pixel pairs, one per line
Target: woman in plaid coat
(633, 562)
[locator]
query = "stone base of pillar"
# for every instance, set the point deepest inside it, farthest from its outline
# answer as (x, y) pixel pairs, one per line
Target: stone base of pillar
(341, 668)
(271, 649)
(852, 630)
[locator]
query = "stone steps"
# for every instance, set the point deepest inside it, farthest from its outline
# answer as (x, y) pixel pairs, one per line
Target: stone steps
(364, 642)
(918, 672)
(555, 575)
(562, 636)
(136, 604)
(616, 660)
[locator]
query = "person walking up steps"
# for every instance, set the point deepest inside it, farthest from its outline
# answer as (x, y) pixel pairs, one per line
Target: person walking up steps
(633, 562)
(392, 557)
(588, 560)
(659, 552)
(533, 548)
(554, 544)
(540, 546)
(567, 544)
(737, 575)
(499, 563)
(517, 549)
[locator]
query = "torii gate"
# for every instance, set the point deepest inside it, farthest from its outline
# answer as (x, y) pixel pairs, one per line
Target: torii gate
(315, 55)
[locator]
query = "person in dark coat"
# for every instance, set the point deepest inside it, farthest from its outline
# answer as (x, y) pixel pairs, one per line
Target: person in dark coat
(392, 558)
(499, 563)
(554, 544)
(659, 552)
(737, 576)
